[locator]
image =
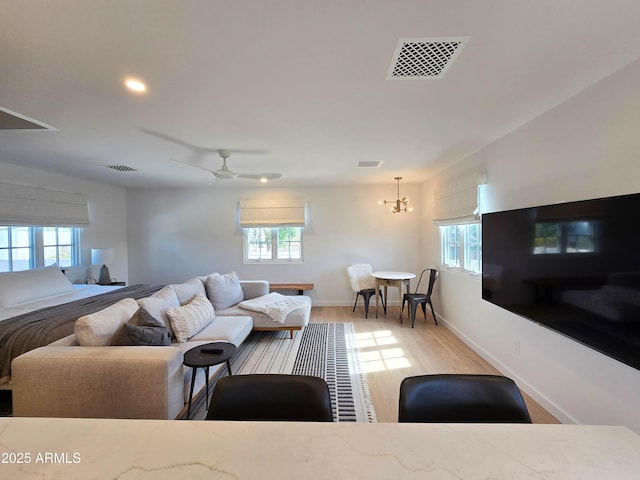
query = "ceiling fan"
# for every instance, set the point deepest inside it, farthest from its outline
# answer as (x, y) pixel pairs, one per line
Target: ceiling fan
(223, 173)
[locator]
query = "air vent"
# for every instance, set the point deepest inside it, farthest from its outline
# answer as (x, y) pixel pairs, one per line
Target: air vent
(369, 164)
(425, 57)
(122, 168)
(14, 122)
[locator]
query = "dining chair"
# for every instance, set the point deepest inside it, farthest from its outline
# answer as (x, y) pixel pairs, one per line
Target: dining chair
(271, 397)
(422, 299)
(363, 283)
(458, 398)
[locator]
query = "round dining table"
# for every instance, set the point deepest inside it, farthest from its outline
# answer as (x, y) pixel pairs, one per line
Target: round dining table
(387, 279)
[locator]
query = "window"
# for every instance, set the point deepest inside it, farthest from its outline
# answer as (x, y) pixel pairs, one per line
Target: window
(23, 248)
(547, 238)
(565, 237)
(259, 244)
(15, 248)
(462, 247)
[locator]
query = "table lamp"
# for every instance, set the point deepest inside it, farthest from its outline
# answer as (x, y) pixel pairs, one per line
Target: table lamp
(103, 256)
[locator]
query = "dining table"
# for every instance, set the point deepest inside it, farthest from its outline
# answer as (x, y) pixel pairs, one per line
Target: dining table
(386, 279)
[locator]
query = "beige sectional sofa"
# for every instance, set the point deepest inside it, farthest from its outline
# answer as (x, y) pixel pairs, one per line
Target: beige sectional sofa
(86, 375)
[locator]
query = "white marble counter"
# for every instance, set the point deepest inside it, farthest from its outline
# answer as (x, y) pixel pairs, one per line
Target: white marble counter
(156, 449)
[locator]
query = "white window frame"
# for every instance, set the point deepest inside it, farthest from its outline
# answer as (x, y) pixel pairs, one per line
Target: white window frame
(274, 246)
(36, 247)
(457, 252)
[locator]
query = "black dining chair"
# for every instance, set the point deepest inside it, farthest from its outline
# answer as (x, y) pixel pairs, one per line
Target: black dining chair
(271, 397)
(363, 283)
(457, 398)
(415, 299)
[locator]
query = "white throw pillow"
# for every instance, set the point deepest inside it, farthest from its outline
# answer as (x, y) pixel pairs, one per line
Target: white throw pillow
(27, 285)
(189, 319)
(187, 291)
(99, 328)
(224, 290)
(156, 305)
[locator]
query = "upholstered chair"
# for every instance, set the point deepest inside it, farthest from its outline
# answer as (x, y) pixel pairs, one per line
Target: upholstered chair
(456, 398)
(275, 397)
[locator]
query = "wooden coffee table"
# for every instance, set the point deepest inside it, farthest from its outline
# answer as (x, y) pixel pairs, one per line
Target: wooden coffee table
(205, 356)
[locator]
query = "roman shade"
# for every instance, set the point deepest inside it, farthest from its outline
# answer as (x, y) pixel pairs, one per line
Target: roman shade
(30, 205)
(280, 212)
(459, 201)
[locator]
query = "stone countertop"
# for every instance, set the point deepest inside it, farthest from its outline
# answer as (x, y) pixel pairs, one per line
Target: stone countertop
(158, 449)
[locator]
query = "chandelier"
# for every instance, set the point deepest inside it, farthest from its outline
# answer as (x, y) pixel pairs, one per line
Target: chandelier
(400, 204)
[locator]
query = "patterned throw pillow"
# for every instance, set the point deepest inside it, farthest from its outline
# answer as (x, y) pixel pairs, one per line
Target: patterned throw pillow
(189, 319)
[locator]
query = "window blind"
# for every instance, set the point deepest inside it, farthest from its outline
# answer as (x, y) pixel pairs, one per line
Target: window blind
(30, 205)
(282, 212)
(459, 201)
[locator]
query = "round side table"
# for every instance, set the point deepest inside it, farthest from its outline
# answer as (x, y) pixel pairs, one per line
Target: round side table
(205, 356)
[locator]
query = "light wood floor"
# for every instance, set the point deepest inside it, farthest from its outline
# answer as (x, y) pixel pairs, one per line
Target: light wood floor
(390, 352)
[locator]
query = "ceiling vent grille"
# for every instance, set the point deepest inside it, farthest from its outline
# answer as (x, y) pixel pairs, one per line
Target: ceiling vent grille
(425, 57)
(122, 168)
(369, 163)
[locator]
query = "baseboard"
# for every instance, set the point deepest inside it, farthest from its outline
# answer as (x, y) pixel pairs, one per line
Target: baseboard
(341, 303)
(534, 393)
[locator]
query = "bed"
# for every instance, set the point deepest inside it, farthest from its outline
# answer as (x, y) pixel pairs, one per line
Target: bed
(40, 306)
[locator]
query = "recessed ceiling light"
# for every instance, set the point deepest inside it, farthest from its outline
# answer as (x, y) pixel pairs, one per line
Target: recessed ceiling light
(135, 85)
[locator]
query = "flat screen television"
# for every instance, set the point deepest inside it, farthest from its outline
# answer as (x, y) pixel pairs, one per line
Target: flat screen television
(572, 267)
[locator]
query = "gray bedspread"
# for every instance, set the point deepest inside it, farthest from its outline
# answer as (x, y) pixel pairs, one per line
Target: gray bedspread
(41, 327)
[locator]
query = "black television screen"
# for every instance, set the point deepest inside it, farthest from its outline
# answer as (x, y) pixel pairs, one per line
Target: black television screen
(572, 267)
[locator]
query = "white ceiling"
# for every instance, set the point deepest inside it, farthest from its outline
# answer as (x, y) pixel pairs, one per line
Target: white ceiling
(303, 80)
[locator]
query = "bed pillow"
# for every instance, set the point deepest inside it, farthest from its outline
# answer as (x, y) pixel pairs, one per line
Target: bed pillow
(224, 290)
(156, 305)
(189, 319)
(187, 291)
(99, 328)
(27, 285)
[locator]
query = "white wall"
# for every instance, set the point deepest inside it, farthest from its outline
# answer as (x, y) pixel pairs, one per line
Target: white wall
(587, 147)
(178, 233)
(107, 214)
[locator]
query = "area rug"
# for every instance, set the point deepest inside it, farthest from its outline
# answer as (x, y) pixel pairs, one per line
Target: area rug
(325, 350)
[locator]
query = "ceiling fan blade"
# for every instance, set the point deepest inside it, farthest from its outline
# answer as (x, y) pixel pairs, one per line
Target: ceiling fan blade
(224, 175)
(194, 148)
(193, 165)
(203, 150)
(259, 176)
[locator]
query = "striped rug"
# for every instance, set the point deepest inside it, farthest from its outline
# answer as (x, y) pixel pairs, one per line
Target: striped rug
(325, 350)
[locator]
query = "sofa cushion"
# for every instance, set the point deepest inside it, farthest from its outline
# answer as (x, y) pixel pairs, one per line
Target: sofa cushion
(189, 319)
(145, 319)
(186, 291)
(99, 328)
(28, 285)
(137, 335)
(158, 303)
(226, 329)
(224, 290)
